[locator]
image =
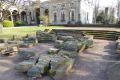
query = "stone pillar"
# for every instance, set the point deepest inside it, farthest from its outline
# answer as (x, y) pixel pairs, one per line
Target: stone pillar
(28, 18)
(79, 10)
(12, 18)
(0, 14)
(20, 16)
(119, 11)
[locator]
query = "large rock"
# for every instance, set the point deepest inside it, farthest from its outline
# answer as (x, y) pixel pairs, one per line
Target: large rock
(13, 42)
(6, 49)
(40, 67)
(26, 65)
(58, 44)
(87, 42)
(30, 40)
(2, 41)
(114, 72)
(43, 36)
(56, 62)
(34, 72)
(118, 47)
(79, 45)
(70, 54)
(63, 70)
(53, 51)
(70, 46)
(26, 55)
(89, 37)
(65, 38)
(26, 45)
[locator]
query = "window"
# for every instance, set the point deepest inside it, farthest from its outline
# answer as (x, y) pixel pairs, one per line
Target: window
(73, 15)
(62, 17)
(87, 16)
(55, 17)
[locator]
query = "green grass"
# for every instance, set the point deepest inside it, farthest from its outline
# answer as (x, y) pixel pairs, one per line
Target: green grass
(22, 31)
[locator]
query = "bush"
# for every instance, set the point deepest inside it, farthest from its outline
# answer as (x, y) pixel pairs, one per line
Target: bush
(20, 23)
(118, 22)
(7, 23)
(45, 20)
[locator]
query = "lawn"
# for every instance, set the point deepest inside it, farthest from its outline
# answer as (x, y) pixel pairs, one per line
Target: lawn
(22, 31)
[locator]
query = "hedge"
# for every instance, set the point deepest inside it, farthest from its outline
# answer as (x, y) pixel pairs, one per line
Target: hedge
(20, 23)
(7, 23)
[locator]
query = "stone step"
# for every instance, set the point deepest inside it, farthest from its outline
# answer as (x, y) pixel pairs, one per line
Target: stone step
(98, 34)
(105, 35)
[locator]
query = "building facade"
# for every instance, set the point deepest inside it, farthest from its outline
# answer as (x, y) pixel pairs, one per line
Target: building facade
(27, 12)
(118, 10)
(68, 11)
(30, 12)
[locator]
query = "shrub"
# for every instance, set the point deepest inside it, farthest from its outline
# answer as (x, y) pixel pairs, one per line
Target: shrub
(20, 23)
(7, 23)
(118, 22)
(45, 20)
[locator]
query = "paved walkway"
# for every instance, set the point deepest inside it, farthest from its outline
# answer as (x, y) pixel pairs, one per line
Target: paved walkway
(90, 65)
(87, 28)
(7, 64)
(93, 63)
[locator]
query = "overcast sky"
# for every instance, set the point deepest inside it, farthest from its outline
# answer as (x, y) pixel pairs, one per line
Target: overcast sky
(43, 0)
(103, 3)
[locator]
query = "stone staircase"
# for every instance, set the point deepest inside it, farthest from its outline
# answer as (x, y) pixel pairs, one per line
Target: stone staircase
(118, 35)
(98, 34)
(105, 35)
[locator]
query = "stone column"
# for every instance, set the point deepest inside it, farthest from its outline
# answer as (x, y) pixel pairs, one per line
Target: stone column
(0, 14)
(79, 10)
(119, 11)
(28, 18)
(12, 18)
(67, 14)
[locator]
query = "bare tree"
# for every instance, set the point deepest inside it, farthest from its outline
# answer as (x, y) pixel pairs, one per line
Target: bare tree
(96, 10)
(5, 6)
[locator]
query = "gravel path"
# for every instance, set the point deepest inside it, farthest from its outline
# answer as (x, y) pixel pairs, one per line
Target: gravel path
(93, 63)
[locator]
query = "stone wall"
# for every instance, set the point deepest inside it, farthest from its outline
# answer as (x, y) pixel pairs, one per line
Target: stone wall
(68, 11)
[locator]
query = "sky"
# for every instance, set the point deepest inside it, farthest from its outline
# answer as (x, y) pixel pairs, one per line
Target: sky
(103, 3)
(43, 0)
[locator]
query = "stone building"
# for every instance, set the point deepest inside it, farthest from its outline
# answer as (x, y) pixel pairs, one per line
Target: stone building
(26, 11)
(30, 12)
(118, 10)
(68, 11)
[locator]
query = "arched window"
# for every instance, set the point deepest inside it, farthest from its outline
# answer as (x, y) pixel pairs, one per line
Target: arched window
(55, 17)
(46, 13)
(15, 15)
(23, 16)
(62, 17)
(73, 16)
(87, 16)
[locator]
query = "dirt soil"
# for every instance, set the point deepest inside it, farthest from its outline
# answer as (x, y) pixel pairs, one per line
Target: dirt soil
(92, 64)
